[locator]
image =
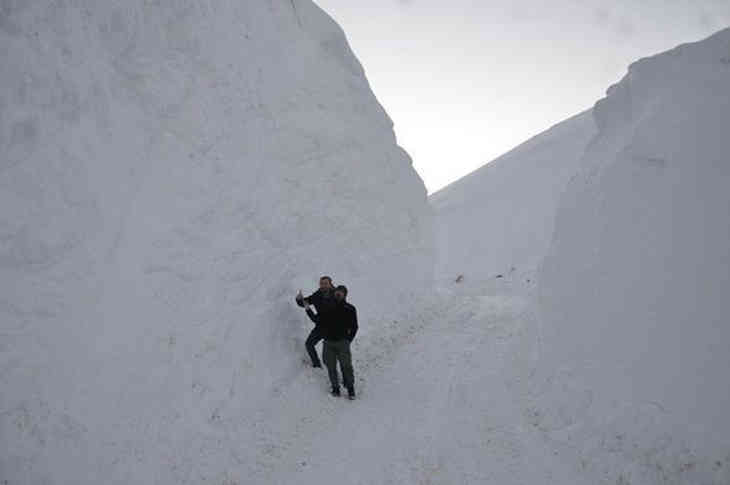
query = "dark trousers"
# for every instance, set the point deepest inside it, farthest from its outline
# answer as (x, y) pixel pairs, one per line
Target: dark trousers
(334, 351)
(314, 337)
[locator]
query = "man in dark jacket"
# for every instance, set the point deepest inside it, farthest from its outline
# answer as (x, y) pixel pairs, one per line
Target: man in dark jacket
(339, 327)
(323, 300)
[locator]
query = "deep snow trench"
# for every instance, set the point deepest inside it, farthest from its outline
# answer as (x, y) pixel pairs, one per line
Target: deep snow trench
(172, 172)
(441, 399)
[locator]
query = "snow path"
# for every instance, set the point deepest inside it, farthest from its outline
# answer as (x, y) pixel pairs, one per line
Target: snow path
(441, 399)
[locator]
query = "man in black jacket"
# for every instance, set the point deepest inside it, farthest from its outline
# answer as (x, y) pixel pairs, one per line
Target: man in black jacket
(339, 327)
(323, 300)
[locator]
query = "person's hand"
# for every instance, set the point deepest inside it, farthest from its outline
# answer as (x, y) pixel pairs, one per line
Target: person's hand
(299, 296)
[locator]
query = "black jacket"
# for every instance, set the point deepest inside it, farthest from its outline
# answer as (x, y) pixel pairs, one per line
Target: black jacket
(340, 323)
(322, 302)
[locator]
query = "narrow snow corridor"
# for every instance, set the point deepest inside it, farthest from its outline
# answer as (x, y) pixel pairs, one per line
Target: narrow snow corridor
(441, 399)
(172, 173)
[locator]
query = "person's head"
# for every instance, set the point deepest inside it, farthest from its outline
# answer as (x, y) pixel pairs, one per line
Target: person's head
(325, 283)
(341, 293)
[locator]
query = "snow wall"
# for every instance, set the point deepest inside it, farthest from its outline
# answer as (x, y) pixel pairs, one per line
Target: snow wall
(171, 173)
(616, 225)
(500, 218)
(633, 294)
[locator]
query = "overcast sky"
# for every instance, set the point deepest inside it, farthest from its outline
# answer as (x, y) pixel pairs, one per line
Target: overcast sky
(466, 80)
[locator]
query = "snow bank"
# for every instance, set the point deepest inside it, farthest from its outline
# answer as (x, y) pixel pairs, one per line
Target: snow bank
(171, 173)
(634, 291)
(623, 212)
(499, 219)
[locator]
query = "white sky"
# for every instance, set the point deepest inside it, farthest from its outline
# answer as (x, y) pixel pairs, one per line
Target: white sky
(466, 80)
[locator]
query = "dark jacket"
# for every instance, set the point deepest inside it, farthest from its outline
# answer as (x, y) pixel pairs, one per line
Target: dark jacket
(339, 323)
(321, 301)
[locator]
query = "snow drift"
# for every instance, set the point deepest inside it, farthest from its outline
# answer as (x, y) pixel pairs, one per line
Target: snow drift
(633, 293)
(623, 213)
(499, 219)
(171, 173)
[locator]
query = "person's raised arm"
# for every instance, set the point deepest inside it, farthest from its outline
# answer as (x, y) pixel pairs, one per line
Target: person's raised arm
(301, 300)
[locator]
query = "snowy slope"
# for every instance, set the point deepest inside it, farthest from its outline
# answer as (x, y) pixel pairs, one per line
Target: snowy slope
(634, 292)
(625, 217)
(501, 216)
(170, 174)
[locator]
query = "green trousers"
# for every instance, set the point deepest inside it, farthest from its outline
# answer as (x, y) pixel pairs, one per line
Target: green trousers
(334, 351)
